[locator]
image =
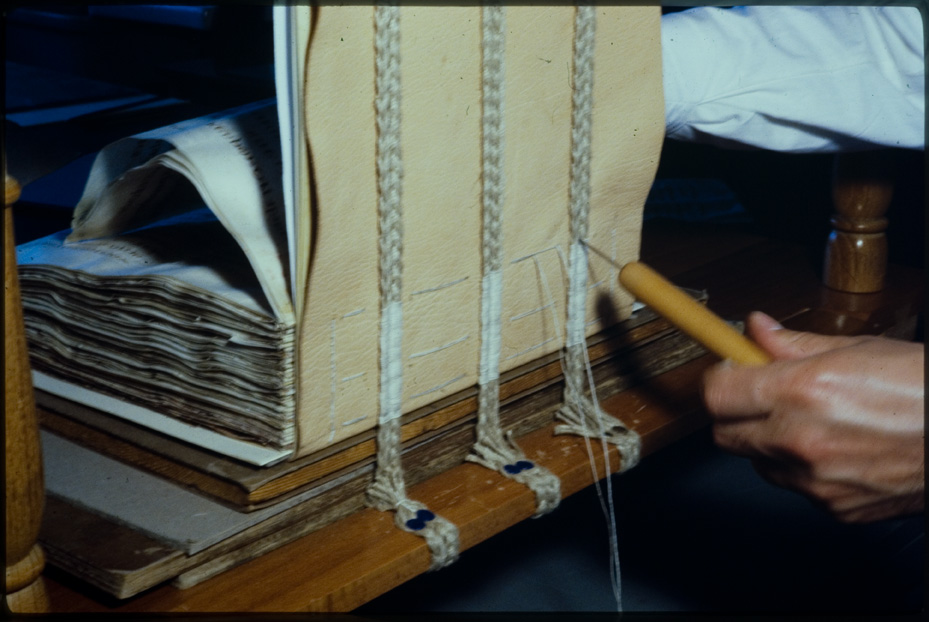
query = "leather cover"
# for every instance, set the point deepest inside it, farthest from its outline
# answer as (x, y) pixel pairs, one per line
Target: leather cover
(441, 144)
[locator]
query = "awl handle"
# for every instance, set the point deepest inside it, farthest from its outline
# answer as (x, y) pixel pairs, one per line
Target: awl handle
(690, 316)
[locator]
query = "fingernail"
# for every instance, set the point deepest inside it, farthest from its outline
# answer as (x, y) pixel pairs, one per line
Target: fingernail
(771, 323)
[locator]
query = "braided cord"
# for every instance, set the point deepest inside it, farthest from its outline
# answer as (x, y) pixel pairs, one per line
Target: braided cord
(493, 449)
(388, 491)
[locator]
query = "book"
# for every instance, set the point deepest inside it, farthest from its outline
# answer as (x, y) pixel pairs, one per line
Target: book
(132, 312)
(138, 532)
(220, 282)
(640, 348)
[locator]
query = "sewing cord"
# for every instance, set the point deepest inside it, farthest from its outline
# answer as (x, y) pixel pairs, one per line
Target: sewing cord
(578, 411)
(493, 448)
(388, 490)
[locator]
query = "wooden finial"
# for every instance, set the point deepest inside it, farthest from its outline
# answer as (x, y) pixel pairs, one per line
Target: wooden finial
(11, 190)
(25, 487)
(856, 253)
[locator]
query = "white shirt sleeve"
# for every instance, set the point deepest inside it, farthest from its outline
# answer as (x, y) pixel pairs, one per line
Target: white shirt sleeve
(796, 79)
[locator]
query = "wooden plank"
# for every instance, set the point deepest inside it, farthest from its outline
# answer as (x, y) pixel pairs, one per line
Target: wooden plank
(221, 537)
(80, 530)
(647, 339)
(337, 568)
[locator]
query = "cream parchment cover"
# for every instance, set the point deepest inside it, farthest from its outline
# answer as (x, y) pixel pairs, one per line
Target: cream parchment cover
(441, 145)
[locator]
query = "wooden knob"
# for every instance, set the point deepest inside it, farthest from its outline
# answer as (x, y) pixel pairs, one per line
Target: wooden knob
(25, 487)
(11, 190)
(856, 252)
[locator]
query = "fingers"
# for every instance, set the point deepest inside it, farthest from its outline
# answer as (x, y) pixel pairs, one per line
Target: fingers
(847, 501)
(737, 437)
(782, 343)
(770, 435)
(837, 419)
(731, 390)
(835, 499)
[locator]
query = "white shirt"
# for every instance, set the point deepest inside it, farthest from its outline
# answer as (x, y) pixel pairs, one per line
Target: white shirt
(796, 79)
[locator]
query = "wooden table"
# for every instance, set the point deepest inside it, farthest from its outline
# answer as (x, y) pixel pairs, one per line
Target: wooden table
(337, 568)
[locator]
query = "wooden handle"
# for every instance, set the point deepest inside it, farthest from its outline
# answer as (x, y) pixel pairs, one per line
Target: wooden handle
(690, 316)
(25, 489)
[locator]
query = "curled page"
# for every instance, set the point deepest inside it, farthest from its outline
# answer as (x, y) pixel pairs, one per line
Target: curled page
(232, 159)
(164, 323)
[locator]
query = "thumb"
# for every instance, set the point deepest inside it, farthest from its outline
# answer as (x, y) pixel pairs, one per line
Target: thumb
(782, 343)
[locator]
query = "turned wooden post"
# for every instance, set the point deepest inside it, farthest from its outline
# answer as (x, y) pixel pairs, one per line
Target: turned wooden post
(25, 488)
(856, 253)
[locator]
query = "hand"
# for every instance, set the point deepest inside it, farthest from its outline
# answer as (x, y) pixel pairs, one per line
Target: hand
(839, 419)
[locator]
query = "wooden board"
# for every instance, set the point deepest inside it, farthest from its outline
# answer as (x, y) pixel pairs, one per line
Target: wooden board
(219, 537)
(339, 569)
(635, 349)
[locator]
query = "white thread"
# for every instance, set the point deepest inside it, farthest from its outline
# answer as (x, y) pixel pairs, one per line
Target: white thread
(577, 295)
(525, 314)
(493, 449)
(438, 387)
(577, 410)
(388, 490)
(491, 310)
(444, 346)
(610, 510)
(429, 290)
(556, 247)
(391, 362)
(332, 384)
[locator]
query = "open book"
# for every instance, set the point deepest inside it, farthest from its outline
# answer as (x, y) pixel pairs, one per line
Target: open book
(169, 300)
(221, 280)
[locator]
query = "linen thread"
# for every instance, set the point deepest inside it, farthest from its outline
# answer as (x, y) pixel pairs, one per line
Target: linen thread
(580, 414)
(495, 449)
(388, 490)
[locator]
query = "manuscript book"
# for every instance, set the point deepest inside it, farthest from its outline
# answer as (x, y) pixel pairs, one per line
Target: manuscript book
(220, 282)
